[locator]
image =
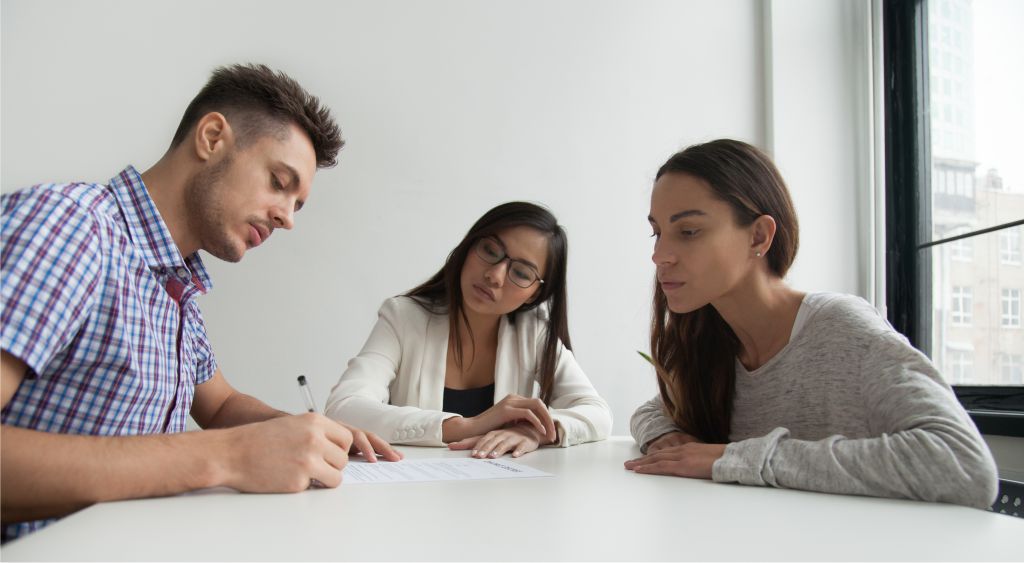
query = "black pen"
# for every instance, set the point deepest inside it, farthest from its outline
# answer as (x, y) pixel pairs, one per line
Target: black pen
(306, 394)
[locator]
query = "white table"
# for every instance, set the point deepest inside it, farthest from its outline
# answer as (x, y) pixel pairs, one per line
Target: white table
(592, 509)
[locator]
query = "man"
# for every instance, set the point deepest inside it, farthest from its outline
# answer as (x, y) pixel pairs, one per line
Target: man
(104, 351)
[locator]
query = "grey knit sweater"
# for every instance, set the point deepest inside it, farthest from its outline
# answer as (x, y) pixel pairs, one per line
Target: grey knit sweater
(848, 406)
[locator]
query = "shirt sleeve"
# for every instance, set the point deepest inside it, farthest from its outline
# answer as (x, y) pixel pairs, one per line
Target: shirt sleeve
(51, 265)
(649, 422)
(923, 444)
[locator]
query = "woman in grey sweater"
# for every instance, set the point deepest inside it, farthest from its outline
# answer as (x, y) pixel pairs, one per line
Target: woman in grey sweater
(761, 384)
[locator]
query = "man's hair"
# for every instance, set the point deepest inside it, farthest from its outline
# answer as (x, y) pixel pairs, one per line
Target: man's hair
(257, 101)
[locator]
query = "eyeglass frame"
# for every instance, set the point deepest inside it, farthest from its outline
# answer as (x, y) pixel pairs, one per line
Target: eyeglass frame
(504, 257)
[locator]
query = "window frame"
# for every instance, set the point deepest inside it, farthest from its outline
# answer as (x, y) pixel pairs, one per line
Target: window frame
(908, 203)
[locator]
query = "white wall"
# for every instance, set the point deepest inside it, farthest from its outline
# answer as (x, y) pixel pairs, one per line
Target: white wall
(818, 116)
(449, 107)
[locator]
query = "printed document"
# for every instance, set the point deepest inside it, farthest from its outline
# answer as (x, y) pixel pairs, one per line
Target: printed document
(444, 469)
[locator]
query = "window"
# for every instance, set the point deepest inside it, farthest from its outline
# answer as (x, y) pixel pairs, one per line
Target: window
(1011, 369)
(961, 366)
(1010, 317)
(1009, 246)
(960, 308)
(954, 199)
(962, 249)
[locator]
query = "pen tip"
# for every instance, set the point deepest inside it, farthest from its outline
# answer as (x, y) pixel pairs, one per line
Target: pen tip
(302, 380)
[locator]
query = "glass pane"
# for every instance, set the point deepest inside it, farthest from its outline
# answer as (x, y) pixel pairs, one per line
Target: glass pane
(976, 76)
(978, 300)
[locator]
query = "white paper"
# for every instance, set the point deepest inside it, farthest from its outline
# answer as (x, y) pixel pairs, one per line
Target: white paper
(444, 469)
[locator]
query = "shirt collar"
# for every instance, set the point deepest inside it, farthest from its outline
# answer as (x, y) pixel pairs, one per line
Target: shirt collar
(149, 232)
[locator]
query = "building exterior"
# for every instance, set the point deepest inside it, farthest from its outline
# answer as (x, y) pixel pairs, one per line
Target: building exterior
(978, 282)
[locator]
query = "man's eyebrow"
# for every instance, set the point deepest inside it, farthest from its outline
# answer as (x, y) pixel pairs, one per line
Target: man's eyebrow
(505, 249)
(677, 216)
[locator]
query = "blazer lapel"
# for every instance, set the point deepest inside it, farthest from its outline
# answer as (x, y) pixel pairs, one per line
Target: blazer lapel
(506, 363)
(435, 358)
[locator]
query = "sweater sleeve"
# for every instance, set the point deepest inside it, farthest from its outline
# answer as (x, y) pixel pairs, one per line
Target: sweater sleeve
(922, 446)
(362, 394)
(649, 422)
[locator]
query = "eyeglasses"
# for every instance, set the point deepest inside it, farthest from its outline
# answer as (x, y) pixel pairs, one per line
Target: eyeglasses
(491, 250)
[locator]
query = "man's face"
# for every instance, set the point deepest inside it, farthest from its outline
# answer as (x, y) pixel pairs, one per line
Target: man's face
(236, 202)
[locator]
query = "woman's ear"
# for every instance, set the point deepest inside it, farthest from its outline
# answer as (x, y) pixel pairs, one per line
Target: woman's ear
(762, 233)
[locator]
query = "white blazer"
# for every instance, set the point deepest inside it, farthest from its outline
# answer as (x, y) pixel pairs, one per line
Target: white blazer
(395, 386)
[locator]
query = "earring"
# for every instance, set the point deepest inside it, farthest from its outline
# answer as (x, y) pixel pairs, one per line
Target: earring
(758, 254)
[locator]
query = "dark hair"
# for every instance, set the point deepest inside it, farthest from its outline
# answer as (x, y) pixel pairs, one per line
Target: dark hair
(442, 293)
(695, 353)
(257, 101)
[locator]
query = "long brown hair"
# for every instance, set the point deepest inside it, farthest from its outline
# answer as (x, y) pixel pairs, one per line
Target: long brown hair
(695, 353)
(442, 293)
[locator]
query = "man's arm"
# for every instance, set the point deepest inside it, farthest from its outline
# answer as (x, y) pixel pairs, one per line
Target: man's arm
(46, 474)
(218, 405)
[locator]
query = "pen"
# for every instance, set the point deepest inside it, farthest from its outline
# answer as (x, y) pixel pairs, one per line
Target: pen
(306, 395)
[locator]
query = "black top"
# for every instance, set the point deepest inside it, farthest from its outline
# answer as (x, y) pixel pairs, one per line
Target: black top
(468, 402)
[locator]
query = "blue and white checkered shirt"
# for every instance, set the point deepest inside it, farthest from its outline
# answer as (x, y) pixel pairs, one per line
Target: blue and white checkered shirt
(101, 307)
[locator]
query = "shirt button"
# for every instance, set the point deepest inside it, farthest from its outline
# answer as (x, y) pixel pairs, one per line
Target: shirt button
(182, 273)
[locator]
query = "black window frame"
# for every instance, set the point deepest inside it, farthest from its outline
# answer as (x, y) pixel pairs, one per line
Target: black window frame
(995, 409)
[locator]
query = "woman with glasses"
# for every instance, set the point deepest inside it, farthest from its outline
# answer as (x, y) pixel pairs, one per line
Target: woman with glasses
(478, 357)
(762, 384)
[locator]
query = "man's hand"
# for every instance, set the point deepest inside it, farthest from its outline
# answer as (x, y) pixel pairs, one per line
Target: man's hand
(370, 445)
(286, 454)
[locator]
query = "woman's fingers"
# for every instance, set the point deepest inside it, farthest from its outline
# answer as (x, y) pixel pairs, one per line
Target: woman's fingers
(505, 442)
(519, 414)
(487, 443)
(465, 443)
(540, 410)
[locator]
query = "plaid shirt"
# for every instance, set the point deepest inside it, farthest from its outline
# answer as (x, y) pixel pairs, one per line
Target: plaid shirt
(100, 305)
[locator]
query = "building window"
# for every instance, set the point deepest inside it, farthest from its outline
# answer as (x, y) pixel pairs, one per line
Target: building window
(962, 249)
(960, 308)
(961, 366)
(1009, 246)
(1010, 317)
(1011, 369)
